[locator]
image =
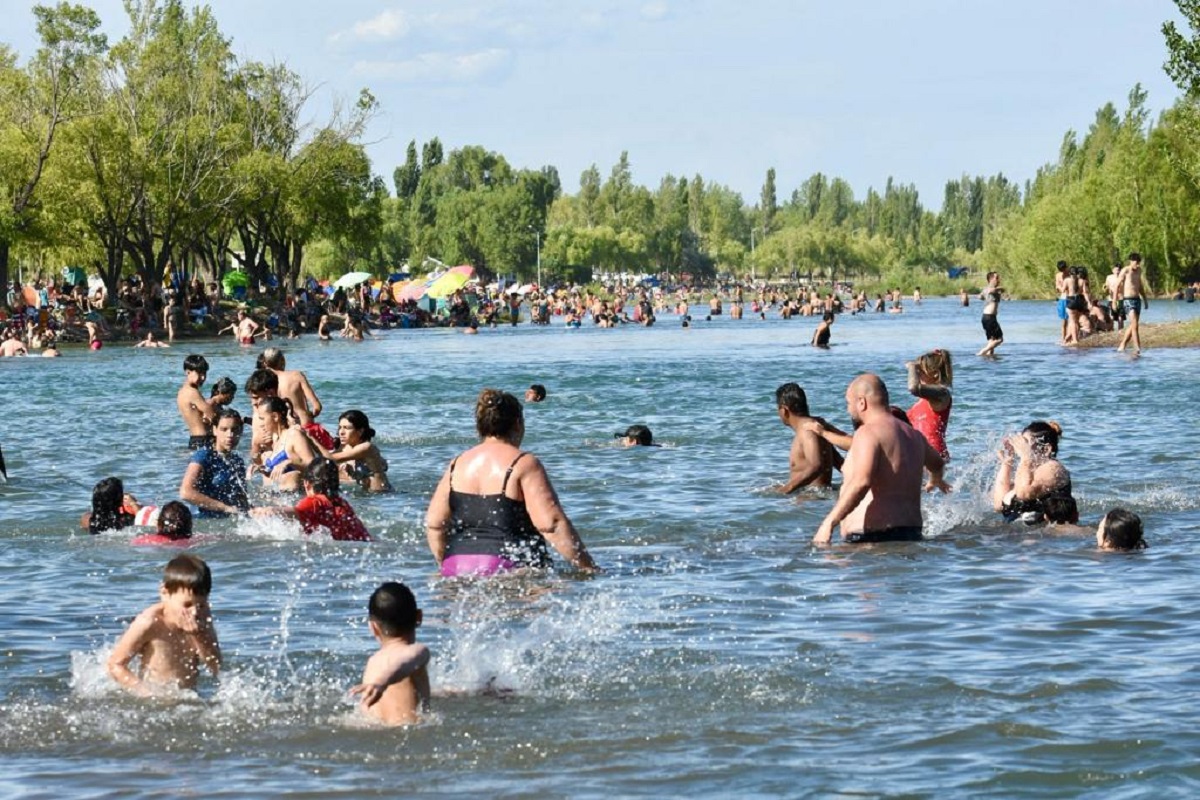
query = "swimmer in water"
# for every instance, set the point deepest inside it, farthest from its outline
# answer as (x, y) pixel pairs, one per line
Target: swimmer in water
(215, 479)
(1040, 490)
(636, 436)
(150, 341)
(929, 379)
(811, 458)
(174, 526)
(360, 460)
(536, 393)
(197, 413)
(1120, 531)
(322, 507)
(821, 334)
(395, 684)
(173, 638)
(112, 508)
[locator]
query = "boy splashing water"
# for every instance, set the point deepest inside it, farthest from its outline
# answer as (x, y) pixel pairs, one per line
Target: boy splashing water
(395, 685)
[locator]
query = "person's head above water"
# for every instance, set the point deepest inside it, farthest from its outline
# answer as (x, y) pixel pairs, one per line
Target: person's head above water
(356, 422)
(175, 521)
(500, 415)
(393, 610)
(224, 387)
(636, 435)
(1044, 434)
(536, 393)
(108, 500)
(791, 396)
(865, 393)
(1120, 530)
(936, 364)
(195, 363)
(272, 358)
(321, 475)
(262, 383)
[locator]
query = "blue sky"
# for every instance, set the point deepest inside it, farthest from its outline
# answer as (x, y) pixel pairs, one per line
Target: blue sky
(922, 90)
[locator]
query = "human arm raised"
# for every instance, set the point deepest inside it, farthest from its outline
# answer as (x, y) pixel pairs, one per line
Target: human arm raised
(938, 396)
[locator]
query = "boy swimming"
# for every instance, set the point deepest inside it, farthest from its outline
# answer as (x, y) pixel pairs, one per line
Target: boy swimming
(172, 638)
(395, 685)
(1120, 531)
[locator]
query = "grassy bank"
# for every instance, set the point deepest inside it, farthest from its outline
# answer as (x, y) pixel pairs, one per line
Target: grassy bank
(1168, 334)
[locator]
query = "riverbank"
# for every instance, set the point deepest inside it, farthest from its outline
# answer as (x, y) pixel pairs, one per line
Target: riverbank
(1167, 334)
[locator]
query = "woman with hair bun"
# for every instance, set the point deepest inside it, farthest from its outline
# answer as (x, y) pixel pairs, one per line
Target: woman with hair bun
(494, 509)
(359, 459)
(1040, 490)
(930, 377)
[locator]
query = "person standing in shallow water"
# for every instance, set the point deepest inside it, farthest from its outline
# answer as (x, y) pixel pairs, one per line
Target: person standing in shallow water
(880, 499)
(991, 296)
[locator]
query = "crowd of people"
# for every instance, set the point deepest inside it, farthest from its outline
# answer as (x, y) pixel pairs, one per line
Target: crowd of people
(495, 509)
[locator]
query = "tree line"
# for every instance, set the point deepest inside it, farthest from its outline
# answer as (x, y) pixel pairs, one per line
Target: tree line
(164, 148)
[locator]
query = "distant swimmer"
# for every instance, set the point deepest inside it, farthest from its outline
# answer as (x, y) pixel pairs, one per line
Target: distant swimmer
(991, 296)
(964, 298)
(173, 527)
(12, 346)
(198, 414)
(811, 458)
(172, 639)
(820, 336)
(536, 393)
(636, 436)
(150, 341)
(244, 329)
(880, 498)
(112, 508)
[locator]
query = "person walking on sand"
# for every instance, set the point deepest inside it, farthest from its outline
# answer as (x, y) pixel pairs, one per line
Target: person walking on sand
(1131, 293)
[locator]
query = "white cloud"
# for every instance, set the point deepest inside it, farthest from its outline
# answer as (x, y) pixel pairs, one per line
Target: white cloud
(386, 25)
(655, 10)
(439, 67)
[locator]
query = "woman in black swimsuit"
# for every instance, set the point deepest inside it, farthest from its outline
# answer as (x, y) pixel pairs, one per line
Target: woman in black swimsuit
(1040, 491)
(495, 509)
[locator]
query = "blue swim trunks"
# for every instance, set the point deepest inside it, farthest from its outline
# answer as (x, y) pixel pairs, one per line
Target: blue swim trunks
(1062, 308)
(1133, 304)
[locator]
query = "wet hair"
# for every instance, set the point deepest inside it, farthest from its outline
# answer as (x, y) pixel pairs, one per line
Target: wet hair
(262, 381)
(323, 475)
(393, 608)
(195, 363)
(358, 420)
(187, 572)
(229, 413)
(1123, 531)
(175, 521)
(281, 406)
(1061, 266)
(640, 434)
(938, 363)
(224, 386)
(1059, 509)
(1135, 257)
(791, 396)
(539, 391)
(497, 413)
(271, 358)
(108, 507)
(1045, 434)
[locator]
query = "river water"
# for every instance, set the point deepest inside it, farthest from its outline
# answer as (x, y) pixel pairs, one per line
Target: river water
(719, 653)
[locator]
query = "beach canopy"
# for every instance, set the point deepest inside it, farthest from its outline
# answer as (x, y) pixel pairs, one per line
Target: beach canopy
(411, 291)
(351, 279)
(451, 281)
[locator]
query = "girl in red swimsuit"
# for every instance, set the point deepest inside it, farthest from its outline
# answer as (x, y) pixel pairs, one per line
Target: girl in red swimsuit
(929, 379)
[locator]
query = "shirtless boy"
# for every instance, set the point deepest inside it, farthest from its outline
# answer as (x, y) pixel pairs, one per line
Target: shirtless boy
(395, 685)
(172, 638)
(293, 386)
(1133, 300)
(1111, 284)
(244, 330)
(197, 413)
(810, 461)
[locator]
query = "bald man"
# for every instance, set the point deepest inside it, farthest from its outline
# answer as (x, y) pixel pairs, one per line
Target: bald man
(880, 499)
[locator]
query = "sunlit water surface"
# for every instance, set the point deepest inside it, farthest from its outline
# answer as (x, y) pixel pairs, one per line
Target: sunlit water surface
(719, 653)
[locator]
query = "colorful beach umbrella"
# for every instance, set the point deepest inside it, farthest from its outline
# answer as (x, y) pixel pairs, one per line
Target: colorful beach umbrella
(412, 291)
(451, 281)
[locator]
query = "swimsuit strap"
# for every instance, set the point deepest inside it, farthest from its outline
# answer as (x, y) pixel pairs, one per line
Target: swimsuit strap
(504, 486)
